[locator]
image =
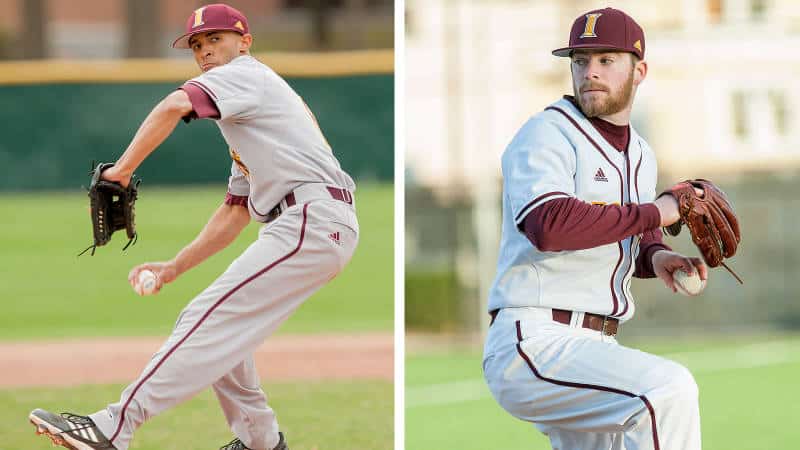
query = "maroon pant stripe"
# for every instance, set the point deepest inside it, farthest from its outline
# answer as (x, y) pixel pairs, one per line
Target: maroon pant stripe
(205, 316)
(595, 387)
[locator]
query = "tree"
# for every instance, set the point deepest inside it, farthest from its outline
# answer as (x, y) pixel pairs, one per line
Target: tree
(34, 35)
(143, 26)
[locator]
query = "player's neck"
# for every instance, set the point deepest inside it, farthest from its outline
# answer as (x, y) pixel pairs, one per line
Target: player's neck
(618, 118)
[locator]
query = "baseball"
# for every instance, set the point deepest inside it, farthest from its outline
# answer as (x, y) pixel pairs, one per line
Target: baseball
(145, 282)
(689, 285)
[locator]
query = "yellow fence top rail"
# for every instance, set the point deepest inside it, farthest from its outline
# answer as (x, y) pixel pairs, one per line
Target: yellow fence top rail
(152, 70)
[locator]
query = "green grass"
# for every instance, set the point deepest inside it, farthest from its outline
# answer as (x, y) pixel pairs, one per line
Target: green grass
(49, 293)
(322, 416)
(741, 408)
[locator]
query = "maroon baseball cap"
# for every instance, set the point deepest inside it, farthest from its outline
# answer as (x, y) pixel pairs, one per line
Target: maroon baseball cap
(216, 17)
(607, 28)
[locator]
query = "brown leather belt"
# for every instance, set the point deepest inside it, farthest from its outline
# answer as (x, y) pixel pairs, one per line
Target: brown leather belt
(336, 193)
(604, 324)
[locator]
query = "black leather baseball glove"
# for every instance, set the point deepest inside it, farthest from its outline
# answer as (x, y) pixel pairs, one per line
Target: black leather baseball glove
(112, 208)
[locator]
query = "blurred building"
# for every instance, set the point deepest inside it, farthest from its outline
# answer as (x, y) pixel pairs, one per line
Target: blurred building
(719, 101)
(121, 28)
(720, 94)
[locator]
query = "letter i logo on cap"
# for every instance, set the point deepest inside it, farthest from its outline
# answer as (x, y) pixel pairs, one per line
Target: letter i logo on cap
(591, 23)
(198, 17)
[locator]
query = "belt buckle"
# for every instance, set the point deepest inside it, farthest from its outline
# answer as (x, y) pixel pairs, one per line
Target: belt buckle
(603, 327)
(274, 213)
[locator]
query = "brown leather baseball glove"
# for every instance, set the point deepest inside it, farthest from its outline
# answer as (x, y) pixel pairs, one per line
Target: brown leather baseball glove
(710, 219)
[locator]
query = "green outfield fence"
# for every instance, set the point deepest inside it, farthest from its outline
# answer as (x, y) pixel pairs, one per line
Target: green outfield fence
(59, 116)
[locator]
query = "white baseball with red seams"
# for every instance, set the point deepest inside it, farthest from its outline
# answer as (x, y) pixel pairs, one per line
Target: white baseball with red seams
(688, 285)
(146, 282)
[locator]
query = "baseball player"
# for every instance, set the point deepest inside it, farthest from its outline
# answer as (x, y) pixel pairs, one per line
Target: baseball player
(283, 174)
(580, 218)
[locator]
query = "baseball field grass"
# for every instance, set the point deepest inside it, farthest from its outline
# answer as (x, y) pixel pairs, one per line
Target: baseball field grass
(310, 414)
(747, 397)
(51, 293)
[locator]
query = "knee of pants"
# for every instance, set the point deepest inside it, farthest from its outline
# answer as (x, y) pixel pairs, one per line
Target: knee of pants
(678, 384)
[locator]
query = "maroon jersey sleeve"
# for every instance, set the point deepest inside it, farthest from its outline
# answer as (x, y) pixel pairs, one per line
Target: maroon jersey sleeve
(202, 104)
(651, 242)
(572, 224)
(240, 200)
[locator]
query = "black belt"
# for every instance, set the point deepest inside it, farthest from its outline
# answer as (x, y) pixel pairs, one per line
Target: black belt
(336, 193)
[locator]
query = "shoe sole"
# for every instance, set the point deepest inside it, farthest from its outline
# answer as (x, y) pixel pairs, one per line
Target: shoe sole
(56, 435)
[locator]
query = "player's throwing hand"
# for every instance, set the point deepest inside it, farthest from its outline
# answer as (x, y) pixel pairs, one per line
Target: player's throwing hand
(165, 272)
(665, 263)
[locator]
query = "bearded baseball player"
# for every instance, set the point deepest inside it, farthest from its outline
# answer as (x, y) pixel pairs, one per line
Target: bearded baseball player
(283, 174)
(580, 218)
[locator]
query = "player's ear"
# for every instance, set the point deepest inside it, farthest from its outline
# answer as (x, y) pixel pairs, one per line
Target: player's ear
(639, 70)
(245, 43)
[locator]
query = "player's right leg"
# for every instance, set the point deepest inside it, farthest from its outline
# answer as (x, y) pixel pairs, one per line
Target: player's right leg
(293, 257)
(245, 406)
(577, 380)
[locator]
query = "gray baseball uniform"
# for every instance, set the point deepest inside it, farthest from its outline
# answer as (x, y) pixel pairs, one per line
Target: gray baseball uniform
(284, 172)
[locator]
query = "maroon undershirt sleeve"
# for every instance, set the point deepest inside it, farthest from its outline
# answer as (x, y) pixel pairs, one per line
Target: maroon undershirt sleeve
(651, 242)
(572, 224)
(202, 104)
(239, 200)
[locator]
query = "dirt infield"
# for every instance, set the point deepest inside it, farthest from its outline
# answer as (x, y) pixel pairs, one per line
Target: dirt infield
(119, 360)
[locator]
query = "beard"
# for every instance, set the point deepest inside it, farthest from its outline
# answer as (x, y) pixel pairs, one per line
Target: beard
(604, 104)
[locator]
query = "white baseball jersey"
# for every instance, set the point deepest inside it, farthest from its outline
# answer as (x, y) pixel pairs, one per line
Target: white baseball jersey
(275, 142)
(558, 153)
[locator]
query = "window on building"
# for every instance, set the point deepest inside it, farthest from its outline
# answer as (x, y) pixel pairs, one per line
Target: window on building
(758, 10)
(714, 10)
(739, 114)
(777, 103)
(409, 19)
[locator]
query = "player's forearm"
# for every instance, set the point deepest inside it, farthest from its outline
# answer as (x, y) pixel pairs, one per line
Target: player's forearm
(220, 231)
(652, 241)
(155, 129)
(571, 224)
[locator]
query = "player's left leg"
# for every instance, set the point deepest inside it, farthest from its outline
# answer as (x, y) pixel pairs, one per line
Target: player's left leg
(245, 406)
(564, 439)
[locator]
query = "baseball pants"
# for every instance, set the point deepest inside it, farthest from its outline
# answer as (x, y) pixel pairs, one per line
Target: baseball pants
(584, 390)
(218, 331)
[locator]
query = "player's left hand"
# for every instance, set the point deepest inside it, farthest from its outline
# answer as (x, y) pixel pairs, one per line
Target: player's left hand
(665, 263)
(114, 173)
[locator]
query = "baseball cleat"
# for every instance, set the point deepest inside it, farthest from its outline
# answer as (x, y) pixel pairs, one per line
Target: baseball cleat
(237, 444)
(70, 430)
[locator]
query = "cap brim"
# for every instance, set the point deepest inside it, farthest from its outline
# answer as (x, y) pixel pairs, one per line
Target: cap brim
(567, 51)
(183, 41)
